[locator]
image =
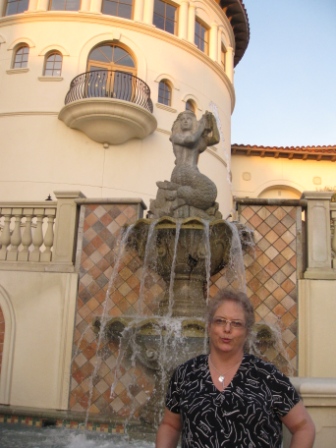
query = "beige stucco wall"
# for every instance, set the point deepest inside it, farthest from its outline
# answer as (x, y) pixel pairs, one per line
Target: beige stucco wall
(40, 154)
(39, 317)
(317, 329)
(267, 172)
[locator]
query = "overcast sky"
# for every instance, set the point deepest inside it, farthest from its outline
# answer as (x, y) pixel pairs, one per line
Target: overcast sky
(286, 81)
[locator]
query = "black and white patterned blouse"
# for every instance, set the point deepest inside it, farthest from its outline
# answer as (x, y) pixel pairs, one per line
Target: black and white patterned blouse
(245, 415)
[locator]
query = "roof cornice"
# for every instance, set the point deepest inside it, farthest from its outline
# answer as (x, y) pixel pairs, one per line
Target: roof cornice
(236, 13)
(289, 152)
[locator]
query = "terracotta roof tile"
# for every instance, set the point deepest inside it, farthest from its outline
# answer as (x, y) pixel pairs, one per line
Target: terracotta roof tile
(289, 152)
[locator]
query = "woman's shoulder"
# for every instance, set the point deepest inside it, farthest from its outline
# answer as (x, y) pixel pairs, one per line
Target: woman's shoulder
(262, 366)
(199, 362)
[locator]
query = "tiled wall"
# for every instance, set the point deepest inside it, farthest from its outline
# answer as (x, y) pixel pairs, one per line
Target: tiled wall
(271, 285)
(271, 274)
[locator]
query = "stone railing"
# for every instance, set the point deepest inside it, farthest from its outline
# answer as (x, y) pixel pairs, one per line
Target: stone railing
(39, 236)
(321, 235)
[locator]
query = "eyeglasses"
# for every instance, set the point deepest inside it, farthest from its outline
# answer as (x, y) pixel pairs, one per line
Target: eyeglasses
(220, 322)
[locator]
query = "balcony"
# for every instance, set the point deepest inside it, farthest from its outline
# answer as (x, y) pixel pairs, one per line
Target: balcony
(109, 106)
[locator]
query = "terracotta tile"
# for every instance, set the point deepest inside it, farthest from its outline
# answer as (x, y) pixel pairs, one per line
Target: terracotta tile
(280, 229)
(279, 260)
(271, 302)
(255, 221)
(279, 310)
(263, 229)
(271, 285)
(288, 286)
(254, 284)
(287, 319)
(279, 213)
(247, 213)
(271, 236)
(271, 221)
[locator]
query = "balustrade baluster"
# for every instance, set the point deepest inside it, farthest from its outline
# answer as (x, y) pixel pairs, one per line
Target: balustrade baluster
(5, 235)
(49, 236)
(37, 237)
(26, 236)
(16, 236)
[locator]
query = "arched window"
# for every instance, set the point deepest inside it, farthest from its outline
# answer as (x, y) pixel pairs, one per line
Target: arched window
(110, 56)
(165, 93)
(190, 105)
(64, 5)
(112, 72)
(21, 57)
(118, 8)
(16, 6)
(165, 15)
(53, 64)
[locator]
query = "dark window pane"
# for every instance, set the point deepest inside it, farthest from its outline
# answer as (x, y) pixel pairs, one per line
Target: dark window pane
(118, 8)
(164, 16)
(125, 11)
(16, 6)
(109, 9)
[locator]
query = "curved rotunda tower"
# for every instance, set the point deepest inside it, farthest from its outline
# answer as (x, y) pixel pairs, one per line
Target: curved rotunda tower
(90, 89)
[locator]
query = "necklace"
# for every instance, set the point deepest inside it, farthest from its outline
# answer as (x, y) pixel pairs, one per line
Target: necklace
(221, 377)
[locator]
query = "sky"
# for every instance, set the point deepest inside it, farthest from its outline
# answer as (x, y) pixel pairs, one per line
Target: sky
(286, 81)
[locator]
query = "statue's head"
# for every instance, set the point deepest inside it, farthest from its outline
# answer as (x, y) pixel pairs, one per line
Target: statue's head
(185, 121)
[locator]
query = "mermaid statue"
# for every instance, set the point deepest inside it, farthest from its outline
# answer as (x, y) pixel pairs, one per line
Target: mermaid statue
(189, 192)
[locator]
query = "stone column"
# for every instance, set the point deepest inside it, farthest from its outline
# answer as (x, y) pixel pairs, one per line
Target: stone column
(138, 10)
(213, 44)
(148, 12)
(84, 6)
(229, 63)
(31, 7)
(96, 6)
(191, 23)
(65, 227)
(319, 264)
(183, 20)
(43, 5)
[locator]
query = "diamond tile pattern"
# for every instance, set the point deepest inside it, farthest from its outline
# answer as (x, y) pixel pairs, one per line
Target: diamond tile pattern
(96, 368)
(272, 277)
(271, 285)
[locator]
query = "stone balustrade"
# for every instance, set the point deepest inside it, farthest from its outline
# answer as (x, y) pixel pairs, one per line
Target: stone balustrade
(39, 235)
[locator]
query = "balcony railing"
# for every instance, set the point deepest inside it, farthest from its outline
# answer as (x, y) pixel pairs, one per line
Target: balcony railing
(110, 84)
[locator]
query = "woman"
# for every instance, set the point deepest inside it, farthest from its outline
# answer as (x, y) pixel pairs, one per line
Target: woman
(229, 398)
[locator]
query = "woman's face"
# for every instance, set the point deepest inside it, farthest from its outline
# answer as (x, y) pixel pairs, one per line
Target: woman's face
(225, 337)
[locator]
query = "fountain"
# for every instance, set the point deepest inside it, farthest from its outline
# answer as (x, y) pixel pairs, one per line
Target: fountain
(185, 241)
(181, 244)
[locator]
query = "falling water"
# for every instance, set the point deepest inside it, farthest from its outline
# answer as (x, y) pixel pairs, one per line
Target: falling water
(172, 272)
(207, 256)
(121, 246)
(236, 268)
(147, 260)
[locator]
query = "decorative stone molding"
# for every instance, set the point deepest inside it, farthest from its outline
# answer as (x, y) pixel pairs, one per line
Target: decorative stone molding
(108, 121)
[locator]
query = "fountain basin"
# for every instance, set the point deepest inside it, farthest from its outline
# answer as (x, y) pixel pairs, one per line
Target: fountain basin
(185, 253)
